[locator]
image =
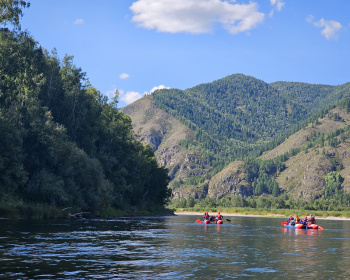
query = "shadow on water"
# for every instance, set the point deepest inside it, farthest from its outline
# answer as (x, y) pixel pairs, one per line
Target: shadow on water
(172, 248)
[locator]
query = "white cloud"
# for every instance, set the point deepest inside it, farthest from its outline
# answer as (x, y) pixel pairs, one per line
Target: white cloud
(130, 96)
(195, 16)
(330, 27)
(310, 18)
(79, 21)
(158, 87)
(278, 4)
(124, 76)
(110, 93)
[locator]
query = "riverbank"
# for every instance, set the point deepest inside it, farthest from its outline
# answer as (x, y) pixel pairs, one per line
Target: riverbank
(195, 213)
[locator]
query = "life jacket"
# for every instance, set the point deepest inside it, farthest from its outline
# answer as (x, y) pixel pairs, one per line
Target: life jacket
(297, 220)
(311, 220)
(219, 217)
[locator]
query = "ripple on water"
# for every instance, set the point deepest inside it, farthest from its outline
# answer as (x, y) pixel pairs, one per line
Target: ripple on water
(261, 269)
(174, 248)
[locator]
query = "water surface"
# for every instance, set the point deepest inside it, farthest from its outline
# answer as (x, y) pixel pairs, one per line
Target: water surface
(172, 248)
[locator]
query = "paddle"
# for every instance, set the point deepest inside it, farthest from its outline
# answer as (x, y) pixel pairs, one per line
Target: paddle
(228, 220)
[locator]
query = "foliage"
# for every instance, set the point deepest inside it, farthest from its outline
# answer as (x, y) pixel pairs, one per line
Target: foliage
(11, 11)
(62, 143)
(239, 116)
(333, 185)
(270, 203)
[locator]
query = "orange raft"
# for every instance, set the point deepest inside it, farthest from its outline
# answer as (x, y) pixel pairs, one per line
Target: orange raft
(302, 226)
(219, 222)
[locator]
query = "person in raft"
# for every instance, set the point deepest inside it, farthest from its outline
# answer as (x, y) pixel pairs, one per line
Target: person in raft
(219, 216)
(306, 220)
(206, 216)
(290, 219)
(295, 221)
(312, 220)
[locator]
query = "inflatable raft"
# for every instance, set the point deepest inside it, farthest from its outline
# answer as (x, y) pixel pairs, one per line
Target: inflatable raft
(302, 226)
(219, 222)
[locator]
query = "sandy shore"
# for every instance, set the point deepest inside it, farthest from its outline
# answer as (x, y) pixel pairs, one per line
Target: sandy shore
(252, 215)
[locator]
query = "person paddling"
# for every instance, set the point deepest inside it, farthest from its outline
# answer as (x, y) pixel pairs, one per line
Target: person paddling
(219, 216)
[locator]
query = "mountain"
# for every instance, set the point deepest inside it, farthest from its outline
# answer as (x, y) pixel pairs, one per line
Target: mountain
(161, 131)
(324, 147)
(226, 137)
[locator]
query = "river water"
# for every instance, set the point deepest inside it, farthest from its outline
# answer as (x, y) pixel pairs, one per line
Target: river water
(172, 248)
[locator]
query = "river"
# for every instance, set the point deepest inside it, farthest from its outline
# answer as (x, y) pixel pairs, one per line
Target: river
(172, 247)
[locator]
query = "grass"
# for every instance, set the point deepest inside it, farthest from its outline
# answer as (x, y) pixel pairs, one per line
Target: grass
(268, 212)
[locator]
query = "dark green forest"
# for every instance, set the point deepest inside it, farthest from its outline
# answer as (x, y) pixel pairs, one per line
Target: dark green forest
(63, 145)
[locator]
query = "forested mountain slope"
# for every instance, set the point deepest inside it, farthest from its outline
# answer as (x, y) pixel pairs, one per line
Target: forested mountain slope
(313, 152)
(240, 118)
(239, 115)
(312, 97)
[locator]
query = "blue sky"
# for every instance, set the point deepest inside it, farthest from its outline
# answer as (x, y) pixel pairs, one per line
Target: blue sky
(137, 46)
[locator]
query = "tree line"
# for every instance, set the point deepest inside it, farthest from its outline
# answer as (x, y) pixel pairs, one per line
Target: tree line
(63, 144)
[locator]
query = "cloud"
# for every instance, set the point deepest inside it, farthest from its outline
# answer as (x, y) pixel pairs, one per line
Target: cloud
(127, 97)
(195, 16)
(124, 76)
(278, 4)
(158, 87)
(330, 27)
(130, 96)
(310, 18)
(110, 93)
(79, 21)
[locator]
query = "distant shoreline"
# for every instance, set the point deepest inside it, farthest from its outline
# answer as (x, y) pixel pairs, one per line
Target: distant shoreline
(254, 215)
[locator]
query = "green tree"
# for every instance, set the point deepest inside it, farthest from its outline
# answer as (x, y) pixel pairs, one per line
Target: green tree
(333, 184)
(190, 202)
(62, 143)
(11, 11)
